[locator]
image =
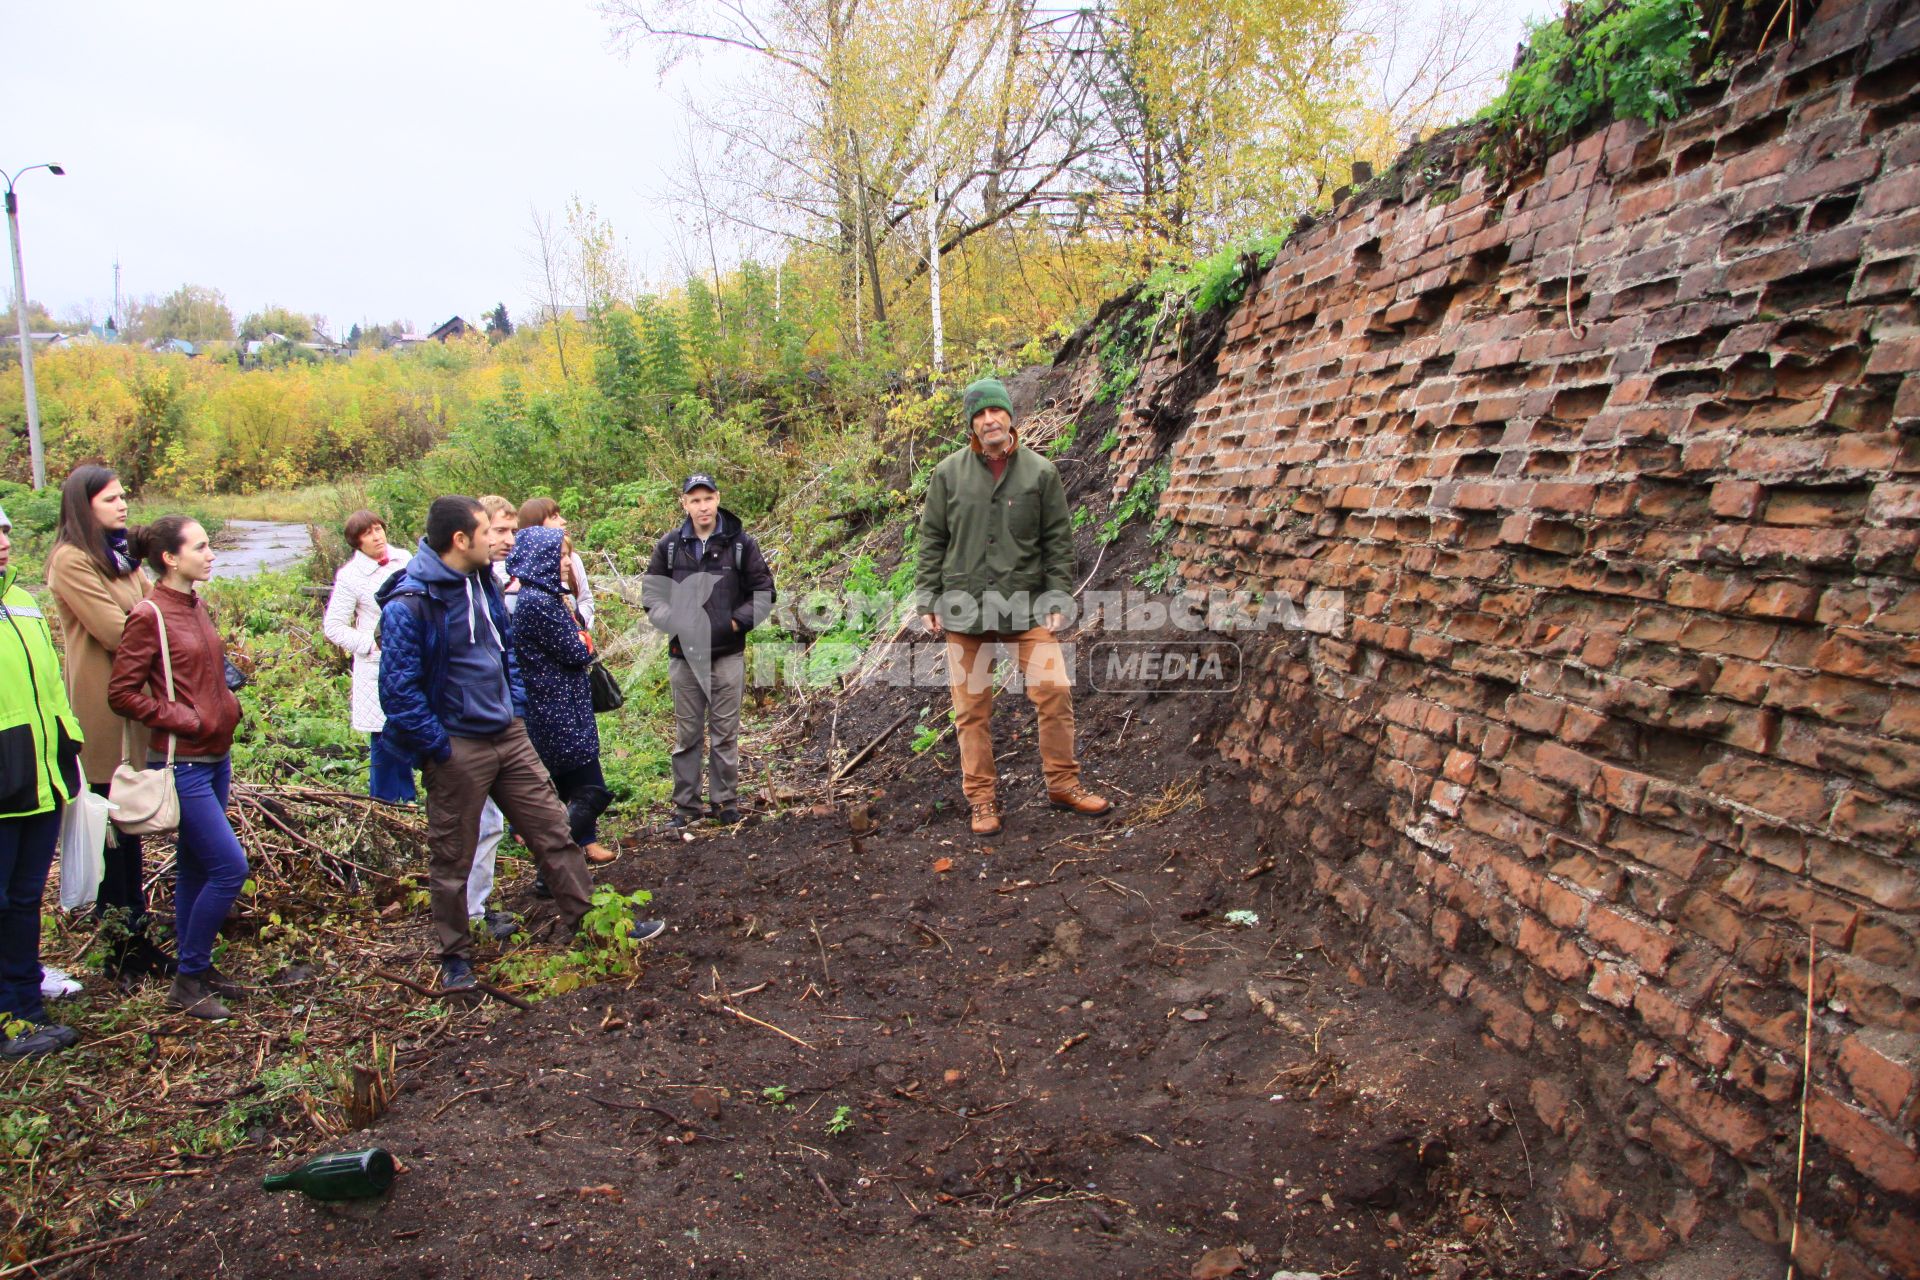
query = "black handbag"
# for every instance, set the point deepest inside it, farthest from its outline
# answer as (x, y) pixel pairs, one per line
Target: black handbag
(607, 695)
(236, 678)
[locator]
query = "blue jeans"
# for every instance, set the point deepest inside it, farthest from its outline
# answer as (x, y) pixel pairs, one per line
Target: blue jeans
(26, 852)
(389, 774)
(209, 867)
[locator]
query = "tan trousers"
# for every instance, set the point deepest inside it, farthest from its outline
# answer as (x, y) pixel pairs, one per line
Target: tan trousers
(1043, 667)
(507, 768)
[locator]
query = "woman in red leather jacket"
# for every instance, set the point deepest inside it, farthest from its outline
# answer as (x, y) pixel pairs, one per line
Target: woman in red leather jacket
(192, 725)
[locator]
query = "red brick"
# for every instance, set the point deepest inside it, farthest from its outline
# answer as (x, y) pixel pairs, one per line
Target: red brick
(1551, 950)
(1736, 499)
(1649, 948)
(1881, 1066)
(1583, 1194)
(1896, 1238)
(1552, 1104)
(1690, 1153)
(1862, 1143)
(1724, 1123)
(1670, 851)
(1638, 1238)
(1885, 882)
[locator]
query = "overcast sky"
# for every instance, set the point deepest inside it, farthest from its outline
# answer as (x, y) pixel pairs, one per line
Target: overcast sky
(364, 161)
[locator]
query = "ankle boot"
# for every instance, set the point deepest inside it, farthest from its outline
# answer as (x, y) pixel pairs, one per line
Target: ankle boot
(191, 995)
(584, 809)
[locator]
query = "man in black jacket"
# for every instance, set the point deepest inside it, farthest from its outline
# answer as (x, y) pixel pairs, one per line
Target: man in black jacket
(706, 587)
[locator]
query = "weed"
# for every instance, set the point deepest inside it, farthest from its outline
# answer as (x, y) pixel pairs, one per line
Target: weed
(605, 948)
(1160, 575)
(1064, 441)
(841, 1122)
(1627, 59)
(1141, 498)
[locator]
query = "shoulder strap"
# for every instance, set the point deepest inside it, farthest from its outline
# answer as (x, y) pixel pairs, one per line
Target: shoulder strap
(740, 553)
(166, 663)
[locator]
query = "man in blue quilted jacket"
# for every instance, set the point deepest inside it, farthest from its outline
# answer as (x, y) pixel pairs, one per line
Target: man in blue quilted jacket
(454, 705)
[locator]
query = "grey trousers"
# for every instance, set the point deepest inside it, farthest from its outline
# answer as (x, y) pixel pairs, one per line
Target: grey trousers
(703, 710)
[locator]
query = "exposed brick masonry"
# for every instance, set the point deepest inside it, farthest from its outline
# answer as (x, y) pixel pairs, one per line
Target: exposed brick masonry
(1615, 687)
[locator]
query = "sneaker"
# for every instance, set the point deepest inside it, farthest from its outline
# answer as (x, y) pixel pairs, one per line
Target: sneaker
(191, 995)
(986, 818)
(500, 925)
(57, 984)
(540, 889)
(681, 820)
(727, 815)
(647, 930)
(456, 974)
(39, 1040)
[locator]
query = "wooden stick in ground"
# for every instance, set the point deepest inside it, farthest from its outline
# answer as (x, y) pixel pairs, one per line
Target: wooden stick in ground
(712, 1003)
(506, 997)
(861, 755)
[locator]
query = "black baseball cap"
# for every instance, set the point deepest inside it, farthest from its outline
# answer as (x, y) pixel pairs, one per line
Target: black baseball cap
(699, 480)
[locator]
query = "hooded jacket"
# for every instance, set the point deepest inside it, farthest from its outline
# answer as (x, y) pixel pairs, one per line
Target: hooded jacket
(39, 734)
(438, 631)
(200, 719)
(552, 658)
(984, 541)
(712, 599)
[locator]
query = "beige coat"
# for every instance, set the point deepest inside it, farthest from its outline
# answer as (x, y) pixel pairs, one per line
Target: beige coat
(93, 613)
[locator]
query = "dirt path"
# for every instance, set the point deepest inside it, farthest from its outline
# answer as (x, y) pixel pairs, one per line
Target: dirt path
(1049, 1056)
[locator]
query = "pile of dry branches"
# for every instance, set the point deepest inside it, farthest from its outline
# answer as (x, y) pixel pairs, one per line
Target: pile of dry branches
(318, 1048)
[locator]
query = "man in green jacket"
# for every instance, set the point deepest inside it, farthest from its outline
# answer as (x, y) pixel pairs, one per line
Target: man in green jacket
(39, 773)
(996, 566)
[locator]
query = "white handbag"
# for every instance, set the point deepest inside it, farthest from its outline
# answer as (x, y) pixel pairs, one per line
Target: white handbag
(146, 799)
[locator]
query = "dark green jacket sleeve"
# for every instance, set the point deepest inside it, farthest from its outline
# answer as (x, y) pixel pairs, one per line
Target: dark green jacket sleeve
(1056, 535)
(932, 544)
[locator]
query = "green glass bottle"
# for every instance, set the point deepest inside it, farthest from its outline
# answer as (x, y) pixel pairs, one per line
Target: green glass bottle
(351, 1175)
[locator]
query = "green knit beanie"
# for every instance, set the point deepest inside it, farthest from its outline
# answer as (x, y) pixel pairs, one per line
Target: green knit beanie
(988, 393)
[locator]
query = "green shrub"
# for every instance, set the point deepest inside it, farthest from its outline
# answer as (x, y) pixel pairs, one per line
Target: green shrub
(1620, 59)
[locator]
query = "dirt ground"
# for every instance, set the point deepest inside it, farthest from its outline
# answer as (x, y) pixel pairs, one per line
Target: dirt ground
(908, 1052)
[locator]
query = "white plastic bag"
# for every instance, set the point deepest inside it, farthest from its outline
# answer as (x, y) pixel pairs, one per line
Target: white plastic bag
(83, 837)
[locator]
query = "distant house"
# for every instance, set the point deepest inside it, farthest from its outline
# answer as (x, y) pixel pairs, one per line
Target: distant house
(577, 314)
(176, 346)
(401, 341)
(454, 328)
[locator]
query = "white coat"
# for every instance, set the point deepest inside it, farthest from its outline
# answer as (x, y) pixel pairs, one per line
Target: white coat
(352, 615)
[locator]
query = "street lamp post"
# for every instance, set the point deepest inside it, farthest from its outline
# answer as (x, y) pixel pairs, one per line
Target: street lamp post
(39, 453)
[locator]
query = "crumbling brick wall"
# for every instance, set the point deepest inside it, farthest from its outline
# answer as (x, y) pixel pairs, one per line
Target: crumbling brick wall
(1606, 486)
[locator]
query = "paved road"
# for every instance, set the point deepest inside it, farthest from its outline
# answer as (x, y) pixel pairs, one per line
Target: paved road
(247, 547)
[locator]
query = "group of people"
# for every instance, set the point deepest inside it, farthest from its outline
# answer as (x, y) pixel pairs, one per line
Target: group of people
(472, 663)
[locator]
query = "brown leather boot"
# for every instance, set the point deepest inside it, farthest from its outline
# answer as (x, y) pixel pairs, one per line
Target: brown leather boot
(1080, 800)
(986, 818)
(191, 995)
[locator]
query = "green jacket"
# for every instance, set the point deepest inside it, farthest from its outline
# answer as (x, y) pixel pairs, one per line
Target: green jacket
(991, 553)
(39, 734)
